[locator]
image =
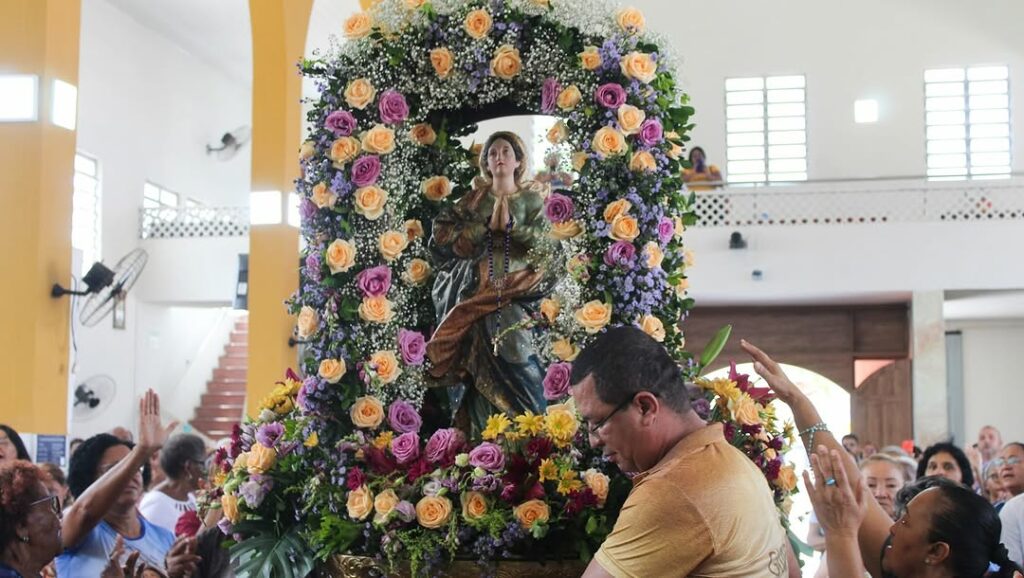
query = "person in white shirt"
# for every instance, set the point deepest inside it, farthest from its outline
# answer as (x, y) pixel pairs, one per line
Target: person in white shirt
(183, 462)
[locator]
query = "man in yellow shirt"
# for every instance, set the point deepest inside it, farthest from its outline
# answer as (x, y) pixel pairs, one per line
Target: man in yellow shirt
(698, 507)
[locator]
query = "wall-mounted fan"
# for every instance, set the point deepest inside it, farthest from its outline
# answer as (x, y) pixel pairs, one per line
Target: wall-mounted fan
(230, 143)
(106, 288)
(93, 396)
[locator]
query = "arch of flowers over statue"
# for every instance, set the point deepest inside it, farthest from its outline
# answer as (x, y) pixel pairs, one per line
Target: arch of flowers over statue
(359, 457)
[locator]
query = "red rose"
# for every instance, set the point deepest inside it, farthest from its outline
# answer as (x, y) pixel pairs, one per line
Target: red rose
(188, 524)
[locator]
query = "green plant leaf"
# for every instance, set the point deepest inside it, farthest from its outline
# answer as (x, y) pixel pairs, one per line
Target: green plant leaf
(714, 347)
(265, 555)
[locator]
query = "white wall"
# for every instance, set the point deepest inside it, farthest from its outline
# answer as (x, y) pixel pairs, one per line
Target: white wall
(992, 391)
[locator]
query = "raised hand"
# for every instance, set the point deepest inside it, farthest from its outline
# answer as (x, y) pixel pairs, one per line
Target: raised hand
(114, 569)
(182, 560)
(840, 508)
(768, 369)
(152, 432)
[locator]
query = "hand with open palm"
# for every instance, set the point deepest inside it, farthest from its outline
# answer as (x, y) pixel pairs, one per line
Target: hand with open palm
(152, 433)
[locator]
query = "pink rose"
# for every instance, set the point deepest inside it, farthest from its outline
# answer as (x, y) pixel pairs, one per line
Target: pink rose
(556, 382)
(404, 418)
(365, 170)
(487, 456)
(375, 281)
(393, 108)
(650, 133)
(444, 444)
(412, 346)
(610, 95)
(666, 228)
(549, 95)
(341, 123)
(406, 447)
(620, 254)
(558, 208)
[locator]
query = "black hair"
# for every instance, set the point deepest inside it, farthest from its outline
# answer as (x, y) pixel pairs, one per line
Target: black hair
(971, 527)
(693, 150)
(517, 147)
(85, 460)
(966, 474)
(625, 361)
(178, 451)
(910, 490)
(19, 445)
(851, 436)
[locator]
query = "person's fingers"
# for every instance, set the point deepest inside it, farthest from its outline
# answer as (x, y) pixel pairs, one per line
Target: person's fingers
(131, 562)
(812, 492)
(171, 427)
(156, 403)
(838, 471)
(825, 464)
(758, 355)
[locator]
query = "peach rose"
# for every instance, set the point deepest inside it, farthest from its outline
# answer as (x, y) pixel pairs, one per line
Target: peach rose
(433, 511)
(579, 160)
(653, 326)
(229, 504)
(376, 310)
(360, 503)
(679, 226)
(392, 243)
(550, 308)
(261, 459)
(340, 256)
(532, 513)
(541, 3)
(624, 228)
(332, 370)
(413, 229)
(642, 162)
(689, 258)
(307, 150)
(506, 63)
(564, 349)
(639, 66)
(436, 188)
(474, 505)
(322, 196)
(379, 140)
(414, 4)
(616, 208)
(308, 322)
(744, 410)
(630, 118)
(478, 24)
(598, 483)
(367, 412)
(654, 254)
(358, 25)
(384, 504)
(558, 133)
(416, 272)
(386, 366)
(343, 150)
(787, 478)
(442, 61)
(674, 151)
(681, 287)
(630, 20)
(569, 98)
(369, 201)
(423, 134)
(609, 142)
(590, 58)
(359, 93)
(565, 230)
(594, 316)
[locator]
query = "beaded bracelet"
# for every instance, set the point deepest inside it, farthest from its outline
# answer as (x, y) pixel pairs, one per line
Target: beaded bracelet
(820, 426)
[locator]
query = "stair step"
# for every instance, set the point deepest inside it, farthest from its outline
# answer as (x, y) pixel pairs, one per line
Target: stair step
(225, 387)
(233, 348)
(223, 398)
(233, 361)
(214, 411)
(229, 373)
(215, 427)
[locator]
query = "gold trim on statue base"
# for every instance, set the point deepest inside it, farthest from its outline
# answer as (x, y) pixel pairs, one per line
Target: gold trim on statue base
(365, 567)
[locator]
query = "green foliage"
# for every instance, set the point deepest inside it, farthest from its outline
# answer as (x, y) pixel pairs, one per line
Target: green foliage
(334, 534)
(714, 347)
(265, 554)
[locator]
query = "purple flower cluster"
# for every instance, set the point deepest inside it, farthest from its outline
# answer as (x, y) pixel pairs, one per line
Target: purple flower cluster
(487, 456)
(412, 346)
(620, 254)
(365, 170)
(393, 107)
(404, 418)
(558, 208)
(341, 123)
(549, 95)
(375, 281)
(610, 95)
(268, 434)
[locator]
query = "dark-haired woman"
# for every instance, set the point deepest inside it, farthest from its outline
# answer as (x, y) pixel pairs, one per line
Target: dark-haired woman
(948, 461)
(11, 446)
(945, 532)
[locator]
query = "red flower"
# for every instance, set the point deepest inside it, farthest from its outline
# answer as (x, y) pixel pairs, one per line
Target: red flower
(355, 479)
(535, 492)
(579, 500)
(742, 381)
(539, 448)
(188, 524)
(379, 461)
(418, 469)
(291, 375)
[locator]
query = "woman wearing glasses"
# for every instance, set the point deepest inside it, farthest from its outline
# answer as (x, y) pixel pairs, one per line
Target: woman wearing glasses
(1010, 464)
(182, 460)
(29, 521)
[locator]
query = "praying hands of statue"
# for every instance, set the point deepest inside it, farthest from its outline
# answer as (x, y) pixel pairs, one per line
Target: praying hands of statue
(501, 214)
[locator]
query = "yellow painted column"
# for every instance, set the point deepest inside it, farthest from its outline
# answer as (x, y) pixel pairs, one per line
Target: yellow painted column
(279, 41)
(37, 37)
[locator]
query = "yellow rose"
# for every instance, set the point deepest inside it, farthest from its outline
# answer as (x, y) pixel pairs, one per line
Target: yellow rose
(624, 228)
(558, 133)
(642, 162)
(506, 63)
(674, 151)
(744, 410)
(413, 229)
(360, 503)
(569, 98)
(358, 25)
(474, 505)
(322, 196)
(229, 504)
(590, 58)
(359, 93)
(379, 139)
(385, 365)
(630, 118)
(416, 272)
(609, 142)
(579, 160)
(433, 511)
(332, 370)
(630, 20)
(308, 321)
(241, 462)
(565, 230)
(261, 459)
(616, 208)
(532, 513)
(594, 315)
(436, 188)
(787, 478)
(680, 228)
(564, 349)
(639, 66)
(343, 150)
(383, 504)
(478, 24)
(367, 412)
(392, 243)
(369, 201)
(561, 424)
(654, 254)
(550, 308)
(307, 150)
(654, 327)
(442, 61)
(376, 310)
(422, 134)
(598, 483)
(340, 256)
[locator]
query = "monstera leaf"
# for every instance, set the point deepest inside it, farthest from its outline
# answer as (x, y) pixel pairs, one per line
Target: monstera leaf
(264, 554)
(714, 347)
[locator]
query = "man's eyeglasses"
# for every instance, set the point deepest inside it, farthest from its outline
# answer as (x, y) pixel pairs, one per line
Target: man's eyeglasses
(596, 426)
(1000, 462)
(54, 501)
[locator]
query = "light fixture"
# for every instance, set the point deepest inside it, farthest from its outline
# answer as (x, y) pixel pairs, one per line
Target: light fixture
(265, 208)
(294, 219)
(19, 97)
(736, 241)
(65, 105)
(865, 111)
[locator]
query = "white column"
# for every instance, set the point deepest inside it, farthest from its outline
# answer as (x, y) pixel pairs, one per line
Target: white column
(928, 351)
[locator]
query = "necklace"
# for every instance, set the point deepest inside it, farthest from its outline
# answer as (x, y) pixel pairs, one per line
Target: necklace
(498, 282)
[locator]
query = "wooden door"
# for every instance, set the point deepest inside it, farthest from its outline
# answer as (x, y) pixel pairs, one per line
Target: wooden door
(881, 408)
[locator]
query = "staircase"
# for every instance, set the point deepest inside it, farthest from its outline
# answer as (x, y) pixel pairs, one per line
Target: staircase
(223, 404)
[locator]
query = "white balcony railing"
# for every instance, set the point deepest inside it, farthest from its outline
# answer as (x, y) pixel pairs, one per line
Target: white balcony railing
(193, 222)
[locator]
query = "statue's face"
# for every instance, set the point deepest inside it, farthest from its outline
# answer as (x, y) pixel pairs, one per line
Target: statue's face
(501, 159)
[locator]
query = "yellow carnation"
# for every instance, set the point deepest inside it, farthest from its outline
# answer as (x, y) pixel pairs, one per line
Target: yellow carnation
(497, 424)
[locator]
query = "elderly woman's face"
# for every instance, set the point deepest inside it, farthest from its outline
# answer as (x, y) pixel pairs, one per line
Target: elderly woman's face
(43, 524)
(908, 545)
(131, 493)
